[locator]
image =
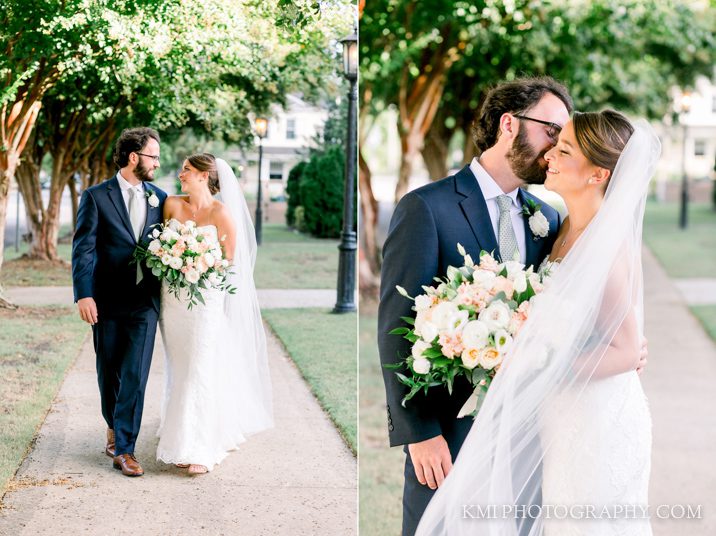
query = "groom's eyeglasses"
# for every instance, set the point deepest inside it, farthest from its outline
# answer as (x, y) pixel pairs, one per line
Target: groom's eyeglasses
(156, 158)
(553, 130)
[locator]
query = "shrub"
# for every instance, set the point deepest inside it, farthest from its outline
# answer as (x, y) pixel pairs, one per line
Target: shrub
(321, 191)
(293, 192)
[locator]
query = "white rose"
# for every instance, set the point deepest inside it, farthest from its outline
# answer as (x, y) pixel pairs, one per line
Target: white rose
(165, 236)
(443, 314)
(166, 258)
(154, 246)
(429, 331)
(503, 341)
(421, 366)
(209, 259)
(224, 263)
(489, 358)
(214, 279)
(153, 200)
(418, 348)
(496, 316)
(539, 224)
(174, 225)
(423, 302)
(475, 334)
(470, 357)
(513, 268)
(176, 263)
(519, 283)
(484, 278)
(192, 275)
(155, 233)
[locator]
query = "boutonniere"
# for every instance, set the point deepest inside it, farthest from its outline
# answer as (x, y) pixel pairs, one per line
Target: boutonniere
(152, 198)
(537, 222)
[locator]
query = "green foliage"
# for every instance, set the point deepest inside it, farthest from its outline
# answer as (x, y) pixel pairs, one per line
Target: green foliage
(617, 53)
(293, 192)
(321, 191)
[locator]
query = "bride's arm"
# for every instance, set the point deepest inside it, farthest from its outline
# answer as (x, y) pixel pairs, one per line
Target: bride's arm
(623, 352)
(227, 232)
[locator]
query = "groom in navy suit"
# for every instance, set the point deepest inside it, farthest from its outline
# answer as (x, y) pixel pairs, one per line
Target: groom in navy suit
(479, 207)
(118, 299)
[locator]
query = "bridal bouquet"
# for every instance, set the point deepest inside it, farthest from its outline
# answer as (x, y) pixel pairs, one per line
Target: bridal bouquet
(465, 325)
(186, 258)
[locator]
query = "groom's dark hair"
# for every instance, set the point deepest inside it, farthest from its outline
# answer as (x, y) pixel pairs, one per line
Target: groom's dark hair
(514, 97)
(132, 140)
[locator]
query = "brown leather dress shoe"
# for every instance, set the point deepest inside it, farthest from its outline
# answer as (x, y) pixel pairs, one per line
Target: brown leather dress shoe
(128, 464)
(109, 448)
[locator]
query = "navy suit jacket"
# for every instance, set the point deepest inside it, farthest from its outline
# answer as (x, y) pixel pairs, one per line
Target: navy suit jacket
(102, 250)
(422, 242)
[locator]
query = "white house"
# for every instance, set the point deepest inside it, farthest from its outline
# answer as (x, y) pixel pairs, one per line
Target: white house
(291, 131)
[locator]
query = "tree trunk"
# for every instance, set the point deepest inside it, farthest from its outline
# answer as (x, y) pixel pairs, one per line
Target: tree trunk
(435, 152)
(28, 180)
(469, 151)
(74, 197)
(418, 105)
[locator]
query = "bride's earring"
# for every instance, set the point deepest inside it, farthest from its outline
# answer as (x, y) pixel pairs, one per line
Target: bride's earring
(590, 181)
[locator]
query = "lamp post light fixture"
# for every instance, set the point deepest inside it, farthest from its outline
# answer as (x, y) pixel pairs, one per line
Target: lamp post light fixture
(685, 106)
(260, 128)
(345, 300)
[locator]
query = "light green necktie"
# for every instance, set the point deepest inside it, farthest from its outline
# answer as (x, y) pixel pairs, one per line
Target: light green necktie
(507, 238)
(135, 218)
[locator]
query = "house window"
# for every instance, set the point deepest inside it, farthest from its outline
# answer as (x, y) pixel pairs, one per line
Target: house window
(699, 147)
(290, 129)
(276, 171)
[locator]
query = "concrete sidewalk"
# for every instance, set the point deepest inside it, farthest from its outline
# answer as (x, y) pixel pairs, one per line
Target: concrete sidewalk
(297, 479)
(679, 381)
(268, 298)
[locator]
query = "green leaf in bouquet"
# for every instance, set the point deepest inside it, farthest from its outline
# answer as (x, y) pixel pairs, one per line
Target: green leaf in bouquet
(199, 297)
(399, 331)
(393, 366)
(500, 296)
(432, 353)
(413, 391)
(439, 362)
(156, 271)
(408, 320)
(412, 337)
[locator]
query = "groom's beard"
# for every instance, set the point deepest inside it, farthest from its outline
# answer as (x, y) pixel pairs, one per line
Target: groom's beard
(144, 174)
(525, 161)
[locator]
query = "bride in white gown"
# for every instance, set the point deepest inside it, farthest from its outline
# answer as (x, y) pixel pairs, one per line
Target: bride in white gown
(217, 389)
(562, 443)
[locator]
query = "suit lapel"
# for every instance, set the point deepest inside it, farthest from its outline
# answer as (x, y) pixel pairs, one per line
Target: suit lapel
(532, 246)
(115, 195)
(475, 210)
(151, 218)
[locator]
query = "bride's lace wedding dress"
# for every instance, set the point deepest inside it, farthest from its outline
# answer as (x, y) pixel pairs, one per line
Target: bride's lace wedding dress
(205, 410)
(597, 453)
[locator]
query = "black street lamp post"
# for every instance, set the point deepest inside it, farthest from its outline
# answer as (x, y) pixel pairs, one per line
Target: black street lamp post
(683, 212)
(260, 127)
(345, 301)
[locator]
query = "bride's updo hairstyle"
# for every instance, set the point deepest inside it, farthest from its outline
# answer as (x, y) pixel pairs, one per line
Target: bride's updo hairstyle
(206, 162)
(602, 136)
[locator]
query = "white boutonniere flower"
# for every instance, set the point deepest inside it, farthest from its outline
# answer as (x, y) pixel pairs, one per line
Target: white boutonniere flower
(537, 221)
(152, 198)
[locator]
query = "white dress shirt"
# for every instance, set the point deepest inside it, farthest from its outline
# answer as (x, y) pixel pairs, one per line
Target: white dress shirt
(139, 188)
(491, 190)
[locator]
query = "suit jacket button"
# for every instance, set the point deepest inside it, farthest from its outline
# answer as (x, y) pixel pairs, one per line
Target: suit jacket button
(391, 428)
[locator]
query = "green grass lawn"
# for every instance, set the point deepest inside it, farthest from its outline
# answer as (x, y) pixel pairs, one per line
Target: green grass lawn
(37, 345)
(381, 467)
(685, 253)
(287, 259)
(323, 346)
(682, 253)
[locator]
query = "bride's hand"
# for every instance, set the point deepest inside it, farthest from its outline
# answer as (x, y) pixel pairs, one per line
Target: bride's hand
(642, 357)
(432, 461)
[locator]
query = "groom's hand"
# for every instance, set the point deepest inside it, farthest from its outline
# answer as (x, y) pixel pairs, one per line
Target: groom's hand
(642, 357)
(431, 460)
(88, 310)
